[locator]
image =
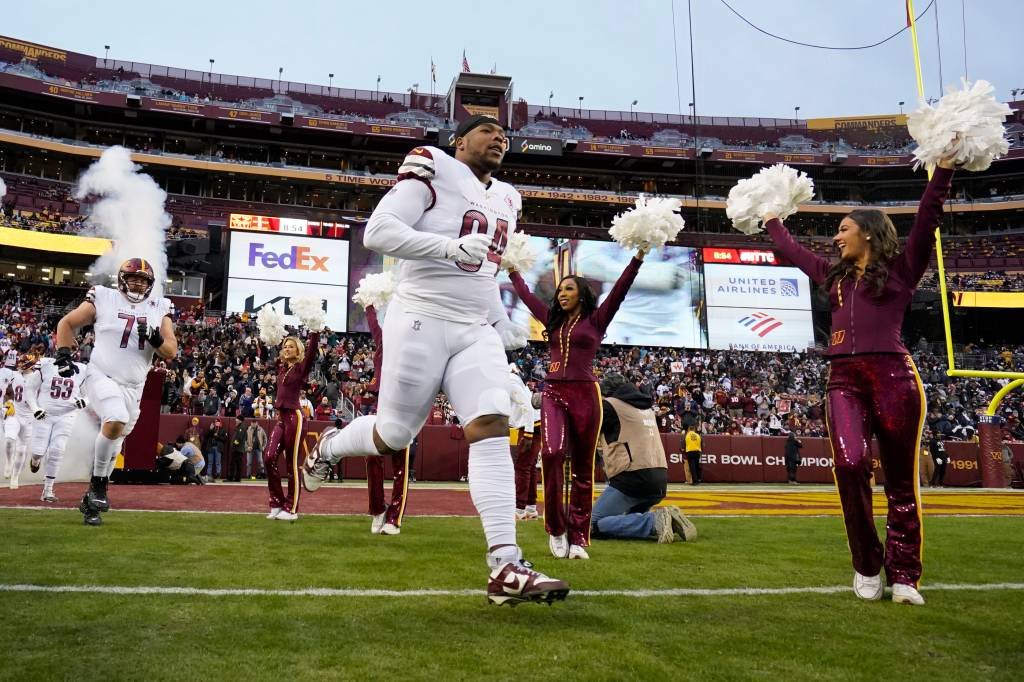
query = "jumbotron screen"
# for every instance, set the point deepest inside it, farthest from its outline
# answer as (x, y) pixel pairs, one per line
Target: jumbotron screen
(266, 268)
(754, 303)
(661, 309)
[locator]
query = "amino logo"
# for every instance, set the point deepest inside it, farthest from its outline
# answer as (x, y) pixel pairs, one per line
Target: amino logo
(760, 323)
(788, 287)
(298, 258)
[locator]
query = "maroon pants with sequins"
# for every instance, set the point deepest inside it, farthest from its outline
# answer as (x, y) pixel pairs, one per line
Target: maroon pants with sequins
(570, 424)
(285, 438)
(525, 462)
(395, 510)
(878, 394)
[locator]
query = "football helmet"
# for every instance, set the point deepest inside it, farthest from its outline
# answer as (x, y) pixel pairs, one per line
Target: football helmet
(135, 267)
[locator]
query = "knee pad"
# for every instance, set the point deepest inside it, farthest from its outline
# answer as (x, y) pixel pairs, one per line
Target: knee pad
(396, 436)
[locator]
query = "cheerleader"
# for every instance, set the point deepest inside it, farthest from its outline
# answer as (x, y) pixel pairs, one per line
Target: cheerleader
(571, 401)
(873, 386)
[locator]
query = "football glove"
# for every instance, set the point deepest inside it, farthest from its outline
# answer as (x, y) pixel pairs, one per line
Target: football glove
(469, 250)
(66, 366)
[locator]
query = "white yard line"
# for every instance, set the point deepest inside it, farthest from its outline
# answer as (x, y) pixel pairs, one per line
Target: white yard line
(348, 593)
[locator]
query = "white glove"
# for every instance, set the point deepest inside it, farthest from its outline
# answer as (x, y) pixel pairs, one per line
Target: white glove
(39, 414)
(469, 250)
(512, 336)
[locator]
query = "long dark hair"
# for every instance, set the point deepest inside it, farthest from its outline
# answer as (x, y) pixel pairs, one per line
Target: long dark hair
(882, 245)
(557, 317)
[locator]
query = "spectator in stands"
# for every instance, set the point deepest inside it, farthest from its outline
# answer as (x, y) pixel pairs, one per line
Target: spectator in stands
(636, 468)
(245, 403)
(324, 411)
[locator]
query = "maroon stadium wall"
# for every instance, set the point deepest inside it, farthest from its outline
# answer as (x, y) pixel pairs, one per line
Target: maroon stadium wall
(442, 454)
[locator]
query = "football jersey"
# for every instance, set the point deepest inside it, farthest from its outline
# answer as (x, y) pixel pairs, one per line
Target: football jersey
(6, 377)
(20, 392)
(118, 352)
(461, 205)
(57, 394)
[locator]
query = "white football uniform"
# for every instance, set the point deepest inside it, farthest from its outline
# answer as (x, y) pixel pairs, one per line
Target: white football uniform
(19, 426)
(522, 407)
(8, 355)
(6, 377)
(120, 360)
(442, 314)
(56, 396)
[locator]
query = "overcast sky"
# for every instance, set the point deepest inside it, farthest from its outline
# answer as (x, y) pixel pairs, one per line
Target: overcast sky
(608, 51)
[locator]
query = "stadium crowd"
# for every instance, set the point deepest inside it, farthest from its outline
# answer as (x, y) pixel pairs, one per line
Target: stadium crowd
(224, 370)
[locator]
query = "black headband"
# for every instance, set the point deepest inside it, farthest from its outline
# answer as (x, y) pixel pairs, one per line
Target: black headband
(473, 122)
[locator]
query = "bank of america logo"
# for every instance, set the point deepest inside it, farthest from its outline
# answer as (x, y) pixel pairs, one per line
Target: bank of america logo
(789, 287)
(760, 323)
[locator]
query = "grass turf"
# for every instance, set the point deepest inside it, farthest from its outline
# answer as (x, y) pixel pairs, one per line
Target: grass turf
(957, 635)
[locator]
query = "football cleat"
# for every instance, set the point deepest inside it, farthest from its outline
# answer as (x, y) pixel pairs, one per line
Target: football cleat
(376, 523)
(92, 518)
(869, 587)
(682, 525)
(286, 515)
(317, 466)
(96, 497)
(49, 497)
(33, 464)
(515, 582)
(390, 529)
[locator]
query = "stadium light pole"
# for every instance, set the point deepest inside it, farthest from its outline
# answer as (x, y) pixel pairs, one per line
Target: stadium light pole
(330, 80)
(580, 109)
(633, 104)
(376, 93)
(901, 107)
(106, 53)
(796, 113)
(280, 72)
(551, 95)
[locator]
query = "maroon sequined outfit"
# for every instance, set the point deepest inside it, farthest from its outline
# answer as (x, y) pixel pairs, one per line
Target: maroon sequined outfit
(571, 408)
(874, 390)
(288, 431)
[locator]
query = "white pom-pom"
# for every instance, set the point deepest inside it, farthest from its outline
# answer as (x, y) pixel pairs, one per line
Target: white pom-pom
(966, 125)
(518, 254)
(778, 189)
(649, 225)
(310, 311)
(271, 325)
(375, 290)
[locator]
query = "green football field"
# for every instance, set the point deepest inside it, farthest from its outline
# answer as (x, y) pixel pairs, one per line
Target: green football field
(246, 609)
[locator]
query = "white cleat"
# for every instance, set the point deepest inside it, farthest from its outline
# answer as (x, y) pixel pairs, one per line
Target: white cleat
(906, 594)
(578, 552)
(14, 482)
(48, 497)
(390, 529)
(559, 545)
(317, 467)
(868, 587)
(274, 511)
(286, 515)
(376, 523)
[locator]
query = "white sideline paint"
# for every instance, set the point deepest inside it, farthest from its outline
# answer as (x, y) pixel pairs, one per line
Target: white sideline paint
(343, 592)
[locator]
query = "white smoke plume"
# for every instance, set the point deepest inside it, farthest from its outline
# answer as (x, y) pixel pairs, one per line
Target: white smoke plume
(129, 209)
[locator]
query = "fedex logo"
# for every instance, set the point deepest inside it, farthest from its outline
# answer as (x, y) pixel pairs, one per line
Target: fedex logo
(297, 258)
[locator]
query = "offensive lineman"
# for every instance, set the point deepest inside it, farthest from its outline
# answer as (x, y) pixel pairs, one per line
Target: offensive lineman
(130, 327)
(449, 221)
(53, 400)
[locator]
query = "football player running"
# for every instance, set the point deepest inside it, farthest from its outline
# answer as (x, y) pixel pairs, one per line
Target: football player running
(53, 400)
(18, 426)
(448, 221)
(130, 326)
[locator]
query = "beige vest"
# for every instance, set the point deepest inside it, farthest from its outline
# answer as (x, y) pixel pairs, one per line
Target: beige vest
(639, 444)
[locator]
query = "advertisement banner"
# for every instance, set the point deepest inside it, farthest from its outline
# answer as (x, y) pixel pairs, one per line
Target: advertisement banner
(760, 329)
(988, 299)
(758, 285)
(55, 243)
(174, 107)
(716, 254)
(247, 115)
(249, 295)
(871, 123)
(357, 127)
(278, 258)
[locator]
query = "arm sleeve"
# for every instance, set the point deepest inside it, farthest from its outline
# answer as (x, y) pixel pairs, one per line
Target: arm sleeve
(389, 230)
(374, 324)
(32, 384)
(312, 350)
(922, 234)
(536, 306)
(606, 311)
(811, 265)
